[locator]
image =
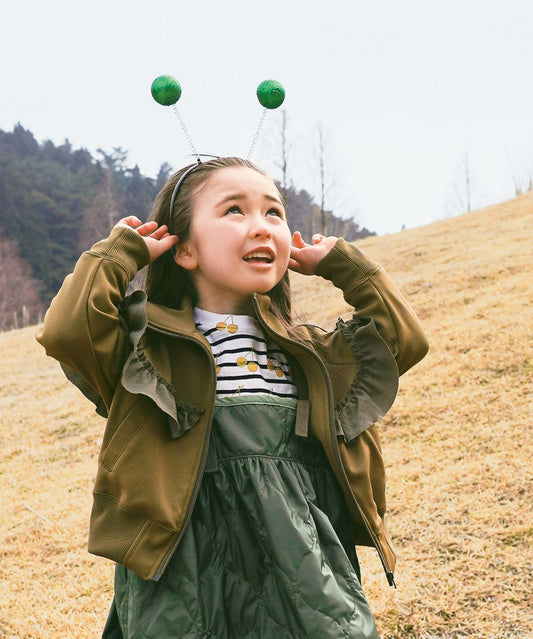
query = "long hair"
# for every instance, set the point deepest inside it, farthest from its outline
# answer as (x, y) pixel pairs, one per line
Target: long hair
(169, 284)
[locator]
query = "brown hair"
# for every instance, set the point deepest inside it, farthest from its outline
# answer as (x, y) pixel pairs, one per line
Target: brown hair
(167, 283)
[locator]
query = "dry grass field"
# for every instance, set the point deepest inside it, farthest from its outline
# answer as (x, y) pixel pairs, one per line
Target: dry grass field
(457, 442)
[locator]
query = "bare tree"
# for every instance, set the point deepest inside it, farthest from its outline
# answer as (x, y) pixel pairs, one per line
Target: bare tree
(307, 216)
(280, 148)
(284, 155)
(322, 174)
(112, 164)
(459, 194)
(19, 300)
(521, 171)
(330, 199)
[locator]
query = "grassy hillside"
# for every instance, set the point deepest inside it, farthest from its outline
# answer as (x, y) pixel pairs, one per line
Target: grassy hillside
(457, 442)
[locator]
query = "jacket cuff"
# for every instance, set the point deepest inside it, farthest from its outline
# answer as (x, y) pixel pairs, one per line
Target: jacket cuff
(126, 247)
(346, 266)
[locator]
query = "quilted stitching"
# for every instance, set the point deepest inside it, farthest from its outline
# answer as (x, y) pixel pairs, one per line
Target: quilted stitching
(262, 556)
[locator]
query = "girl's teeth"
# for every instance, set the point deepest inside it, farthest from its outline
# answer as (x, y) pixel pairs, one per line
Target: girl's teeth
(262, 258)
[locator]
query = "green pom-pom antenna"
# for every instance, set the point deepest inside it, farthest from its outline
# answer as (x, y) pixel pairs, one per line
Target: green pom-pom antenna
(270, 94)
(166, 90)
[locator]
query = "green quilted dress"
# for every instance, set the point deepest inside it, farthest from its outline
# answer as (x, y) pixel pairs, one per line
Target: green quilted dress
(268, 551)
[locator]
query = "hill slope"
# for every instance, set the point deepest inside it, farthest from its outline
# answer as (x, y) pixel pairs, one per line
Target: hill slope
(457, 445)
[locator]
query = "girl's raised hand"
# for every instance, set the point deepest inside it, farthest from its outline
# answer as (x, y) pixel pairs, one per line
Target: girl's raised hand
(304, 257)
(157, 238)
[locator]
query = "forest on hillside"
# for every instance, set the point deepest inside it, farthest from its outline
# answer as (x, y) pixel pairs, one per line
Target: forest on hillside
(56, 201)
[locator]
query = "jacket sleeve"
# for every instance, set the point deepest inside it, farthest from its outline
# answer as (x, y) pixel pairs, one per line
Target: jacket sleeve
(82, 328)
(367, 287)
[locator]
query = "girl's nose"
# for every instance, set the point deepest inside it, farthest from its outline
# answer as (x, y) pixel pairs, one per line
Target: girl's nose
(260, 228)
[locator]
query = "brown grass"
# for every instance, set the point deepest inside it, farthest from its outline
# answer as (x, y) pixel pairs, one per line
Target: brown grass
(457, 443)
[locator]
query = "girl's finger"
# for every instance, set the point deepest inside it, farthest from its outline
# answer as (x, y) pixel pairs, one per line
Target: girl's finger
(131, 220)
(160, 232)
(163, 227)
(297, 240)
(147, 228)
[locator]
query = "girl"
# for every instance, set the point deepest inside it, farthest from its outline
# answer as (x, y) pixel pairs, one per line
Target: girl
(240, 463)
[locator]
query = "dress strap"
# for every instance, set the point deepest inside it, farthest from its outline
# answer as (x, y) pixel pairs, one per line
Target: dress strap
(303, 408)
(301, 426)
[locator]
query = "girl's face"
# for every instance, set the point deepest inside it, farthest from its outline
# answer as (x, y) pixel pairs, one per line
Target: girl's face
(239, 242)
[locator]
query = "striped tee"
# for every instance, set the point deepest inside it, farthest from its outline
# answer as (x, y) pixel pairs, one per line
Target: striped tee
(247, 361)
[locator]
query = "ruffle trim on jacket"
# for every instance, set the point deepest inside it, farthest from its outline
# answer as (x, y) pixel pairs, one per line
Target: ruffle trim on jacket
(140, 377)
(374, 388)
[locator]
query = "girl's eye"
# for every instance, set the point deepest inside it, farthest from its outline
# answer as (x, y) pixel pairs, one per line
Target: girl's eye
(234, 209)
(275, 212)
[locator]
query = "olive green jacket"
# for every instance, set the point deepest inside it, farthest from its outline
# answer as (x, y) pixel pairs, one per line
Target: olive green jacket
(152, 374)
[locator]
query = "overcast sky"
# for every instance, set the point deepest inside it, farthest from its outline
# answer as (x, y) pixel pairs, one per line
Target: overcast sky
(403, 89)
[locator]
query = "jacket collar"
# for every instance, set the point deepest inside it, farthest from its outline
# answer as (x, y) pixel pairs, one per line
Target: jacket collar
(170, 320)
(180, 321)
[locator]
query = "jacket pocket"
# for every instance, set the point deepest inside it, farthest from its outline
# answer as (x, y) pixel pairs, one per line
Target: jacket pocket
(128, 428)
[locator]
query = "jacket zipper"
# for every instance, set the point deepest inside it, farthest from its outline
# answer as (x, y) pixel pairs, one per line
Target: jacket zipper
(196, 489)
(333, 436)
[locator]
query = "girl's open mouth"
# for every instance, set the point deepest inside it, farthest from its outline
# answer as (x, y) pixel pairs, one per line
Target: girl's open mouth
(259, 257)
